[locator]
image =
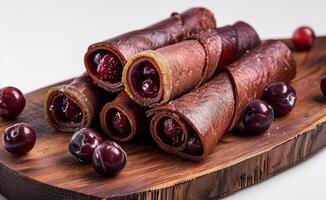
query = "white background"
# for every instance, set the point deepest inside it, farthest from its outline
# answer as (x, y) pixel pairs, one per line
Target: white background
(43, 42)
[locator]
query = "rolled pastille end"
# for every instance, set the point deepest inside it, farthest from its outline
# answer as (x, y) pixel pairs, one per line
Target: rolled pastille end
(91, 69)
(77, 97)
(199, 15)
(188, 129)
(212, 43)
(162, 66)
(131, 118)
(159, 137)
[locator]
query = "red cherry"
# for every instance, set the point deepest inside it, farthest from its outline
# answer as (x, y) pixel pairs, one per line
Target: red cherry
(173, 132)
(12, 102)
(303, 38)
(109, 68)
(109, 158)
(150, 88)
(121, 123)
(19, 139)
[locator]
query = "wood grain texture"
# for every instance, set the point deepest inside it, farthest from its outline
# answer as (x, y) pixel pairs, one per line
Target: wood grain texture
(50, 172)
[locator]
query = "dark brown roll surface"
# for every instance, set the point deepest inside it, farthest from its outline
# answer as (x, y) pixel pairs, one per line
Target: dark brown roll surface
(169, 31)
(128, 110)
(186, 65)
(215, 107)
(85, 97)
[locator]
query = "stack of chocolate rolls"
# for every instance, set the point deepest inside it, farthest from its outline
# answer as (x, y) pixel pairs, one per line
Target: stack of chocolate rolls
(114, 53)
(185, 81)
(191, 125)
(177, 69)
(172, 30)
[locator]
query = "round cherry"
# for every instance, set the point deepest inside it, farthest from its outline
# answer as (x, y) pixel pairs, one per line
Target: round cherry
(303, 38)
(108, 67)
(258, 116)
(194, 146)
(173, 132)
(12, 102)
(281, 96)
(119, 123)
(83, 143)
(19, 139)
(109, 158)
(149, 87)
(323, 84)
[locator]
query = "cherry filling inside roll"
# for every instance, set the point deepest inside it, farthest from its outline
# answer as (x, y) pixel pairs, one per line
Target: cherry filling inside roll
(118, 123)
(122, 119)
(146, 79)
(70, 107)
(177, 135)
(106, 66)
(64, 109)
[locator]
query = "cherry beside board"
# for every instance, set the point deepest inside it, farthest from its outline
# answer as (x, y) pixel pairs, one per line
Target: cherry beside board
(50, 172)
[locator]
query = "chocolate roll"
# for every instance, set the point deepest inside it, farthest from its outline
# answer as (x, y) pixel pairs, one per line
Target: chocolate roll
(155, 77)
(122, 119)
(193, 124)
(71, 107)
(105, 60)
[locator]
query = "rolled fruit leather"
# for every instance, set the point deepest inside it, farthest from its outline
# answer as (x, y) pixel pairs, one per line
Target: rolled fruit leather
(123, 119)
(70, 107)
(105, 60)
(155, 77)
(199, 119)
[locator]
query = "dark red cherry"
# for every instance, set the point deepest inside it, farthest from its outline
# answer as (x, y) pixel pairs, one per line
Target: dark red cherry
(150, 88)
(83, 143)
(109, 68)
(71, 110)
(323, 84)
(281, 96)
(148, 70)
(19, 139)
(303, 38)
(109, 158)
(120, 123)
(194, 146)
(12, 102)
(258, 116)
(173, 132)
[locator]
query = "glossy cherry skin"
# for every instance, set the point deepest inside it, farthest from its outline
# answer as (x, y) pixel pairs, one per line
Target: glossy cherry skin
(281, 96)
(109, 67)
(83, 144)
(303, 38)
(323, 84)
(148, 80)
(120, 123)
(258, 116)
(194, 146)
(19, 139)
(173, 131)
(109, 158)
(71, 111)
(149, 88)
(12, 102)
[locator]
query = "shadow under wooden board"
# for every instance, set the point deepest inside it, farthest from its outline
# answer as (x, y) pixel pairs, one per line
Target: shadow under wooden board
(50, 172)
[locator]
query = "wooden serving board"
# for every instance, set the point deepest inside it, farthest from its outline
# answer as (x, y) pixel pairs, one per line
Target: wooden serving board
(50, 172)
